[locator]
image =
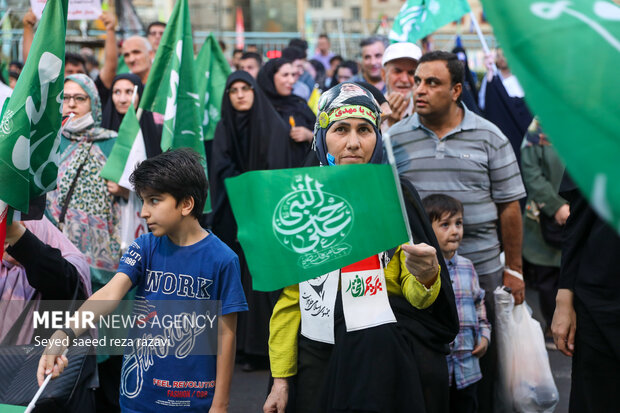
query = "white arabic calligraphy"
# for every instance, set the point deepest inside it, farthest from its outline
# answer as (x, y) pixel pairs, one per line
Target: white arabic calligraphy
(308, 219)
(604, 10)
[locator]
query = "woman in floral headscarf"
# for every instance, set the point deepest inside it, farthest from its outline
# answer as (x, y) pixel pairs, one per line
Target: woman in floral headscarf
(81, 204)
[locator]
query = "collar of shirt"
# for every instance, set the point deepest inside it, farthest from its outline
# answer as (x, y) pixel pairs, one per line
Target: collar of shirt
(452, 261)
(467, 123)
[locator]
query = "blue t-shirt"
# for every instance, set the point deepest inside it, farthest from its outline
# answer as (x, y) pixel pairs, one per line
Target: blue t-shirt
(162, 270)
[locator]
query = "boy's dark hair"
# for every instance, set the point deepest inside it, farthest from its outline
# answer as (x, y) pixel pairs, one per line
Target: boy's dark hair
(75, 59)
(293, 53)
(176, 172)
(300, 43)
(237, 51)
(336, 57)
(252, 55)
(153, 24)
(437, 205)
(17, 64)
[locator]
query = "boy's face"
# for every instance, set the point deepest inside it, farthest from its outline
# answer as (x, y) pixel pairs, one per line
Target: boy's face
(161, 212)
(449, 233)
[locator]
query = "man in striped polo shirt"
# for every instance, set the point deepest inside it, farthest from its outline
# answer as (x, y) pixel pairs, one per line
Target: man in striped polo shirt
(445, 148)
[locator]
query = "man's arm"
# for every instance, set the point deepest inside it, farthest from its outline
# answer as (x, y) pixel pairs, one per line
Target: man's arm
(102, 303)
(110, 49)
(512, 238)
(225, 363)
(29, 21)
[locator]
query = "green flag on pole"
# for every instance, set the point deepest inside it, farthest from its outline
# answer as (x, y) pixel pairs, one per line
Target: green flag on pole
(213, 70)
(419, 18)
(297, 224)
(128, 150)
(171, 87)
(566, 55)
(29, 130)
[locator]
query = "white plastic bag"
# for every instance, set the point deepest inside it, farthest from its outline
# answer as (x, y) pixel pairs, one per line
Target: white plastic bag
(131, 224)
(523, 361)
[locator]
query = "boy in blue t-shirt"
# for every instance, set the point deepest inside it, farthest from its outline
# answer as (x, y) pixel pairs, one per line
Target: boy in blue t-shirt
(178, 260)
(446, 216)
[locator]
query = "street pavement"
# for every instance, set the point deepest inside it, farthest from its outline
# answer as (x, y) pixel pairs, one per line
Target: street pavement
(249, 390)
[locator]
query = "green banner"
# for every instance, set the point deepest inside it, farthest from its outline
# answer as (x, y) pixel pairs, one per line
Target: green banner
(171, 87)
(419, 18)
(297, 224)
(29, 130)
(127, 151)
(566, 55)
(213, 70)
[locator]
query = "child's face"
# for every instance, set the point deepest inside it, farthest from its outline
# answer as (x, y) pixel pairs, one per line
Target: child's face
(161, 212)
(449, 233)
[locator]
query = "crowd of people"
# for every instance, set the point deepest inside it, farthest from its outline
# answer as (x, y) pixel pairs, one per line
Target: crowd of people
(487, 199)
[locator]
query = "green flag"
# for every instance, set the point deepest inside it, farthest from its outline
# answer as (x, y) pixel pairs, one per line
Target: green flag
(297, 224)
(566, 55)
(419, 18)
(127, 151)
(121, 67)
(171, 87)
(9, 408)
(213, 70)
(29, 130)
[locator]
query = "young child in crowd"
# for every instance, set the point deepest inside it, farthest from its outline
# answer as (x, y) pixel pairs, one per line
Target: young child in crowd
(446, 216)
(173, 187)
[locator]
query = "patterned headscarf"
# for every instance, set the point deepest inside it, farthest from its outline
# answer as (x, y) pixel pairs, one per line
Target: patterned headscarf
(89, 87)
(94, 132)
(346, 100)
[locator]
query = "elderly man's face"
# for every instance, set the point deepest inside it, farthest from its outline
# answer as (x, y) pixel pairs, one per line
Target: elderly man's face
(398, 75)
(351, 141)
(137, 56)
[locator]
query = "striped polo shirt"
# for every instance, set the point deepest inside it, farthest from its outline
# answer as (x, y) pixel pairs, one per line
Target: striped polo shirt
(473, 163)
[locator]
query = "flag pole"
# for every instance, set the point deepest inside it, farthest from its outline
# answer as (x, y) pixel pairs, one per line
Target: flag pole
(33, 402)
(485, 46)
(387, 143)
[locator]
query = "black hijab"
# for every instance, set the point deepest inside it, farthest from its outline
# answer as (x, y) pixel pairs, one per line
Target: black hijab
(287, 106)
(256, 139)
(112, 119)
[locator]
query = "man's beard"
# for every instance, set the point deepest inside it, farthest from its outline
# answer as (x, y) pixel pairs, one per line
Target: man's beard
(373, 79)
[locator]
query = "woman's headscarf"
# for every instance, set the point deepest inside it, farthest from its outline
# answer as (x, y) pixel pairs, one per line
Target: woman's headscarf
(255, 139)
(346, 100)
(95, 131)
(151, 132)
(284, 105)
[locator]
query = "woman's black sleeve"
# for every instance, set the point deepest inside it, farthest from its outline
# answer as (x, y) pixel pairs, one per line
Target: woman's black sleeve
(47, 271)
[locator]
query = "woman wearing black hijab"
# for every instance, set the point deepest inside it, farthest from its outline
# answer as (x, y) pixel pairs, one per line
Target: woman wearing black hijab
(276, 79)
(116, 107)
(249, 136)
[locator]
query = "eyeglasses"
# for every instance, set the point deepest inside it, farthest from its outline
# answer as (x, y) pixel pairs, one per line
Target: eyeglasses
(77, 98)
(236, 90)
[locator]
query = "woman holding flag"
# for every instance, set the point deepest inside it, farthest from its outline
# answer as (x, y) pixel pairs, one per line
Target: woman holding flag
(387, 354)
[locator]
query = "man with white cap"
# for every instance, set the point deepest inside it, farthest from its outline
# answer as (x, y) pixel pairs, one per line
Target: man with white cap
(399, 62)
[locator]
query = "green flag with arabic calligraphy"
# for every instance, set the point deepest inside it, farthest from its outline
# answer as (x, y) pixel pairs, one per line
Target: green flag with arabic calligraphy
(419, 18)
(172, 90)
(29, 131)
(566, 55)
(213, 70)
(297, 224)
